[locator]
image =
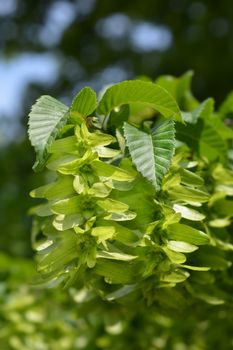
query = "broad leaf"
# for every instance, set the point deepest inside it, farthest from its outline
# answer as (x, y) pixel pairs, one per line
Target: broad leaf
(138, 91)
(180, 232)
(203, 139)
(117, 117)
(202, 111)
(180, 89)
(84, 102)
(151, 153)
(46, 119)
(226, 108)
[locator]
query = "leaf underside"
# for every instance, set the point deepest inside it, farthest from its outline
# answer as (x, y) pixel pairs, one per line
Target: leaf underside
(151, 153)
(46, 119)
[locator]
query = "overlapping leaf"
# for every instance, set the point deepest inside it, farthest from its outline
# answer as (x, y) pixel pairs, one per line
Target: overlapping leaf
(46, 119)
(84, 102)
(151, 153)
(138, 91)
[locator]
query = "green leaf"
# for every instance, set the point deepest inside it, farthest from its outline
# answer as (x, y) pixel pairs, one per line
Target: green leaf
(46, 119)
(84, 102)
(220, 126)
(99, 190)
(118, 216)
(61, 188)
(114, 173)
(203, 139)
(189, 178)
(115, 256)
(175, 257)
(112, 206)
(223, 222)
(103, 232)
(175, 277)
(140, 200)
(188, 194)
(226, 108)
(41, 210)
(121, 292)
(181, 247)
(115, 271)
(180, 232)
(123, 234)
(55, 162)
(136, 91)
(105, 152)
(222, 175)
(180, 89)
(64, 145)
(67, 206)
(65, 222)
(39, 192)
(188, 213)
(93, 139)
(196, 268)
(202, 111)
(151, 153)
(117, 117)
(210, 299)
(62, 254)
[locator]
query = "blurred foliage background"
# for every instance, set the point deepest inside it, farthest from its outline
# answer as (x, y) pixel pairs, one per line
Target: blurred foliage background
(56, 48)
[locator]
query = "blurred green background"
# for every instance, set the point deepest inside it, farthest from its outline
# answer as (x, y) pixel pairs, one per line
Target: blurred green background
(56, 48)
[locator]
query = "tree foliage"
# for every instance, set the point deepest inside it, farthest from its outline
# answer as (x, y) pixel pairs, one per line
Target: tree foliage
(127, 220)
(117, 233)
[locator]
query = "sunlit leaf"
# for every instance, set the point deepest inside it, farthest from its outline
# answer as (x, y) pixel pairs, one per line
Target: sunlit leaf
(188, 213)
(182, 247)
(84, 102)
(103, 232)
(115, 173)
(181, 232)
(150, 94)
